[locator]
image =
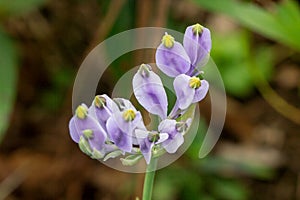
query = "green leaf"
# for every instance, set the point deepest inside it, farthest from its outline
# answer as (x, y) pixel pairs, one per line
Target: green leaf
(282, 25)
(131, 159)
(8, 78)
(17, 7)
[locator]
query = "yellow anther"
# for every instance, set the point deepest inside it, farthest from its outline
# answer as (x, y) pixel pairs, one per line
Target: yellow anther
(81, 112)
(99, 101)
(195, 82)
(197, 29)
(129, 115)
(168, 40)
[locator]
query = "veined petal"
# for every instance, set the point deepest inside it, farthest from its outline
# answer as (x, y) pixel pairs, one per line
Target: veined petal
(175, 138)
(149, 91)
(120, 138)
(197, 43)
(172, 61)
(102, 107)
(184, 93)
(201, 92)
(171, 146)
(123, 105)
(144, 143)
(89, 123)
(167, 126)
(83, 124)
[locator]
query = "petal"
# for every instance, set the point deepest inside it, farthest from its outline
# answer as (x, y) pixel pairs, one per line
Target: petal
(171, 146)
(150, 92)
(146, 149)
(73, 130)
(167, 126)
(140, 134)
(103, 113)
(121, 139)
(162, 137)
(172, 61)
(184, 93)
(201, 92)
(118, 110)
(99, 134)
(197, 46)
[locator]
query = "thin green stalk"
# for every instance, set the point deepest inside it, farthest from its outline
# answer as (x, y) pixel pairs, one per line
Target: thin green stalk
(149, 179)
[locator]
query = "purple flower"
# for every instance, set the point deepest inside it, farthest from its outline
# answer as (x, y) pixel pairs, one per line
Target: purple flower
(120, 126)
(189, 90)
(174, 130)
(174, 59)
(101, 109)
(149, 91)
(87, 132)
(197, 44)
(171, 57)
(147, 140)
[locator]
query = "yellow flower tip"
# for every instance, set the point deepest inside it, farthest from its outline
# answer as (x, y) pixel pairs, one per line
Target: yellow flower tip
(99, 101)
(81, 112)
(129, 115)
(168, 40)
(195, 82)
(197, 29)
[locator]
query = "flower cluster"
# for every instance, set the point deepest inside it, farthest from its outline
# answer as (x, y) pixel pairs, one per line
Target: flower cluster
(114, 127)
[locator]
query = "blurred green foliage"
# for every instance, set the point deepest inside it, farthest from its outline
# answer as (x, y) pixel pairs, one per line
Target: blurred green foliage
(234, 59)
(8, 79)
(17, 7)
(282, 24)
(9, 58)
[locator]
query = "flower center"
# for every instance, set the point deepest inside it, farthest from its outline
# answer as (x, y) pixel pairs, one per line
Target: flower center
(197, 29)
(100, 102)
(129, 115)
(195, 82)
(81, 112)
(168, 40)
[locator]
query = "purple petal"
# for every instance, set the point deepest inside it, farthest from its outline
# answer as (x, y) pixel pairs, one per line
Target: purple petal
(197, 46)
(125, 126)
(168, 126)
(162, 137)
(201, 92)
(171, 146)
(145, 144)
(184, 93)
(172, 61)
(73, 130)
(121, 139)
(175, 139)
(103, 113)
(149, 91)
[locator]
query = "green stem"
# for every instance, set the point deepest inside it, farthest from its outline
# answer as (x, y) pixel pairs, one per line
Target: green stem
(149, 179)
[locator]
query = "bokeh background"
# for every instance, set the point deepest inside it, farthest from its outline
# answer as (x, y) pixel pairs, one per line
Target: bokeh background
(256, 45)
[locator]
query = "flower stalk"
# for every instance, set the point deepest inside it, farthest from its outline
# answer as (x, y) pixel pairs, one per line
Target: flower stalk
(149, 179)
